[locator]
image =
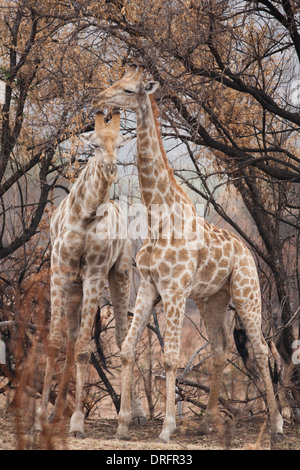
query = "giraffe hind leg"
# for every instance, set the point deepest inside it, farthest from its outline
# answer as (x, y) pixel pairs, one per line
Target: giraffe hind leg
(246, 297)
(252, 324)
(213, 311)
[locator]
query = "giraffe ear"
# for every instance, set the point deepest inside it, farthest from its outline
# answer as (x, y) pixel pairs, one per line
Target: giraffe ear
(88, 137)
(124, 140)
(151, 87)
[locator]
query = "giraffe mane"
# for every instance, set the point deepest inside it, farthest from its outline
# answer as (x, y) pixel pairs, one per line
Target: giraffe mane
(155, 112)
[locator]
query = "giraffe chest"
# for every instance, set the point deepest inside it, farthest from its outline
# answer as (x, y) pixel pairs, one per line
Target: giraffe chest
(94, 246)
(68, 247)
(100, 252)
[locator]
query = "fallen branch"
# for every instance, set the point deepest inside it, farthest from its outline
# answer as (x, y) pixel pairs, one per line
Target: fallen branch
(289, 323)
(7, 323)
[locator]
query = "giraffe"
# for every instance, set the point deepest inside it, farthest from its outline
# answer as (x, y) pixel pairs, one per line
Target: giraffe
(211, 268)
(82, 260)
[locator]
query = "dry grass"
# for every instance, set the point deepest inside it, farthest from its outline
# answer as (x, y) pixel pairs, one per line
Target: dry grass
(238, 395)
(100, 435)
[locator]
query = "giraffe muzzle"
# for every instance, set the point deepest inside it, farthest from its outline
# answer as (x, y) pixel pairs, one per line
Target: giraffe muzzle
(99, 100)
(110, 170)
(96, 103)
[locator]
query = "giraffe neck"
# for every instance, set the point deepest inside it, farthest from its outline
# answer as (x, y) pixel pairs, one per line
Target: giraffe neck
(160, 191)
(153, 172)
(90, 190)
(157, 182)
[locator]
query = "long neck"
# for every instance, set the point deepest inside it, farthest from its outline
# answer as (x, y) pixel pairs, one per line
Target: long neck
(89, 191)
(157, 182)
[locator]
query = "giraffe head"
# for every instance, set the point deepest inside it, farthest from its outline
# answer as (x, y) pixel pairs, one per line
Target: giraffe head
(126, 92)
(106, 140)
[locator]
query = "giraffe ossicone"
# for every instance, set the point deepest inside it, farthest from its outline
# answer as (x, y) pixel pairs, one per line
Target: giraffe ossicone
(220, 269)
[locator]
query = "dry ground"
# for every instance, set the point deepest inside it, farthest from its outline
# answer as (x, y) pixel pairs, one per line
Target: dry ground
(100, 435)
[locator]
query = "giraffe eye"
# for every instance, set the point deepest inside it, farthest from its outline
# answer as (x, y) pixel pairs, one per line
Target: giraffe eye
(129, 92)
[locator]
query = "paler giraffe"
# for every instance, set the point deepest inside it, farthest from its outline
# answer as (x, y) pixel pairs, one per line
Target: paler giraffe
(207, 264)
(83, 259)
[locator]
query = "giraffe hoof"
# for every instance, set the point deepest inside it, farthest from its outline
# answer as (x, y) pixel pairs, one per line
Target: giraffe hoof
(204, 428)
(277, 439)
(36, 430)
(139, 420)
(53, 419)
(123, 438)
(163, 440)
(77, 434)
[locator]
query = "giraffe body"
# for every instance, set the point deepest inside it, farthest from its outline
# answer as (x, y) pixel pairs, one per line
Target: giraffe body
(82, 260)
(211, 268)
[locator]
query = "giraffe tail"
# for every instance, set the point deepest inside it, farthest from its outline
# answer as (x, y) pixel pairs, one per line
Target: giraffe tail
(241, 339)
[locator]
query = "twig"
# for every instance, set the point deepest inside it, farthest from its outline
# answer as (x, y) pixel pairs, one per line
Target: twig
(291, 320)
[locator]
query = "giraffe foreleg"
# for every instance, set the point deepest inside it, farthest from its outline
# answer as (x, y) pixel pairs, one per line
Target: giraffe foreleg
(119, 283)
(72, 315)
(41, 417)
(92, 291)
(146, 298)
(174, 307)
